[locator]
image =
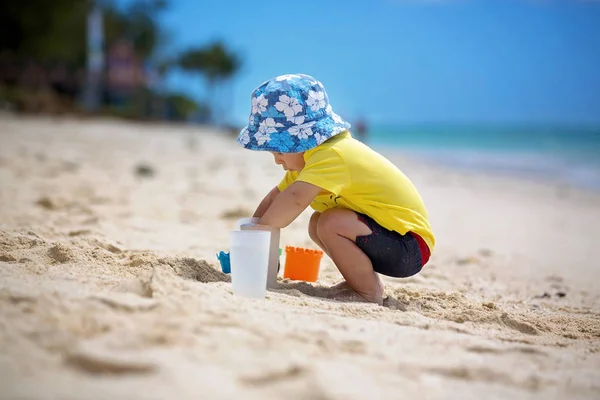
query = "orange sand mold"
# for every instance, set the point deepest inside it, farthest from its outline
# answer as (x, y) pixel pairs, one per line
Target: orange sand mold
(302, 264)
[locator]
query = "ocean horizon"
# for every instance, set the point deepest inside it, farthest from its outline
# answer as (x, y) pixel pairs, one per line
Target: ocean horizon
(558, 153)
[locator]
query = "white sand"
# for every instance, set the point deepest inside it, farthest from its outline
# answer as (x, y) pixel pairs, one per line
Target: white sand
(110, 289)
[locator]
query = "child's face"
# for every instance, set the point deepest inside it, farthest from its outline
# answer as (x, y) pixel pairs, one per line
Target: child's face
(290, 161)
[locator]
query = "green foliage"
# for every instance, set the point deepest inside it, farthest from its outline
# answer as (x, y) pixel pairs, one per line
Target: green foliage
(182, 107)
(53, 33)
(213, 61)
(55, 30)
(216, 63)
(44, 30)
(138, 23)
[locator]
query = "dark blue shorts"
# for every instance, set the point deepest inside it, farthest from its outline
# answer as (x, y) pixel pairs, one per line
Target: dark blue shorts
(391, 253)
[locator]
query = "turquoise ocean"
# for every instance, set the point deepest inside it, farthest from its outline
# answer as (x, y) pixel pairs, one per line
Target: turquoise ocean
(564, 154)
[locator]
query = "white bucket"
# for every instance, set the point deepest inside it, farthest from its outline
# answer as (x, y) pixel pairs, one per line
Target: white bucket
(249, 257)
(249, 224)
(246, 221)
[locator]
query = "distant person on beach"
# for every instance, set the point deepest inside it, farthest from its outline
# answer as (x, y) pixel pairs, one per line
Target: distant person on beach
(361, 130)
(369, 218)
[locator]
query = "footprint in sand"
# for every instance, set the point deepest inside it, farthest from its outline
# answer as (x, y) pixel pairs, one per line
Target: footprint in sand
(100, 362)
(505, 350)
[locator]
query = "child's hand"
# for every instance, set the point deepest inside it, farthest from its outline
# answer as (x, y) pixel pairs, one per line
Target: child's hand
(266, 202)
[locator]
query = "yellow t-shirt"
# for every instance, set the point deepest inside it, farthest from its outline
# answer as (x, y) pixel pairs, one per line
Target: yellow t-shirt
(355, 177)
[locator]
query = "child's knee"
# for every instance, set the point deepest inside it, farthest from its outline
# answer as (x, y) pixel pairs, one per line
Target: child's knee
(331, 221)
(312, 226)
(339, 221)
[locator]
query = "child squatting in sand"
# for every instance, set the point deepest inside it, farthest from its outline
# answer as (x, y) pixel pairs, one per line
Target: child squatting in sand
(369, 217)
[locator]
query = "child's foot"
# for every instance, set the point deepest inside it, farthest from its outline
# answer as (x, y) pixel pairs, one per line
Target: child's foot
(343, 285)
(343, 291)
(351, 295)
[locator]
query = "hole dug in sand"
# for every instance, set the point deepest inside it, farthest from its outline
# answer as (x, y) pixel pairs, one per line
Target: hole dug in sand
(198, 270)
(60, 253)
(7, 257)
(517, 325)
(164, 274)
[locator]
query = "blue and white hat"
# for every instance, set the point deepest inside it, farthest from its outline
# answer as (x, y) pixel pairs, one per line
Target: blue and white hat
(290, 114)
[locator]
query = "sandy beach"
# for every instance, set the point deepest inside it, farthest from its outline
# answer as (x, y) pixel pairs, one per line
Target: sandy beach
(110, 288)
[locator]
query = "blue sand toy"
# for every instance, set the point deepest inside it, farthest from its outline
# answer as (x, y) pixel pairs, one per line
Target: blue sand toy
(224, 261)
(225, 264)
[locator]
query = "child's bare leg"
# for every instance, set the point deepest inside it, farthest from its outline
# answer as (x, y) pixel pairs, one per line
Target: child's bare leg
(312, 232)
(337, 230)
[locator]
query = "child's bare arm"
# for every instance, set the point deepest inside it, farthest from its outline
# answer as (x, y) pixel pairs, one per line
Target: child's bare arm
(266, 202)
(289, 204)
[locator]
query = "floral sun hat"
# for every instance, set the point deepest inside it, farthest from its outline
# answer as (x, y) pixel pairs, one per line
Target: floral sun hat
(290, 114)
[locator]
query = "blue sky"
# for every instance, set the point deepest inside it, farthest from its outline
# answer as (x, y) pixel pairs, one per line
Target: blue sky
(409, 60)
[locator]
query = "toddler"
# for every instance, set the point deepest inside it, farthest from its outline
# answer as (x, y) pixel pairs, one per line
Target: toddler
(369, 218)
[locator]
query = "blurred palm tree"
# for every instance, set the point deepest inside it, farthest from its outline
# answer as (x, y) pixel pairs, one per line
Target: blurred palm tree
(217, 64)
(137, 22)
